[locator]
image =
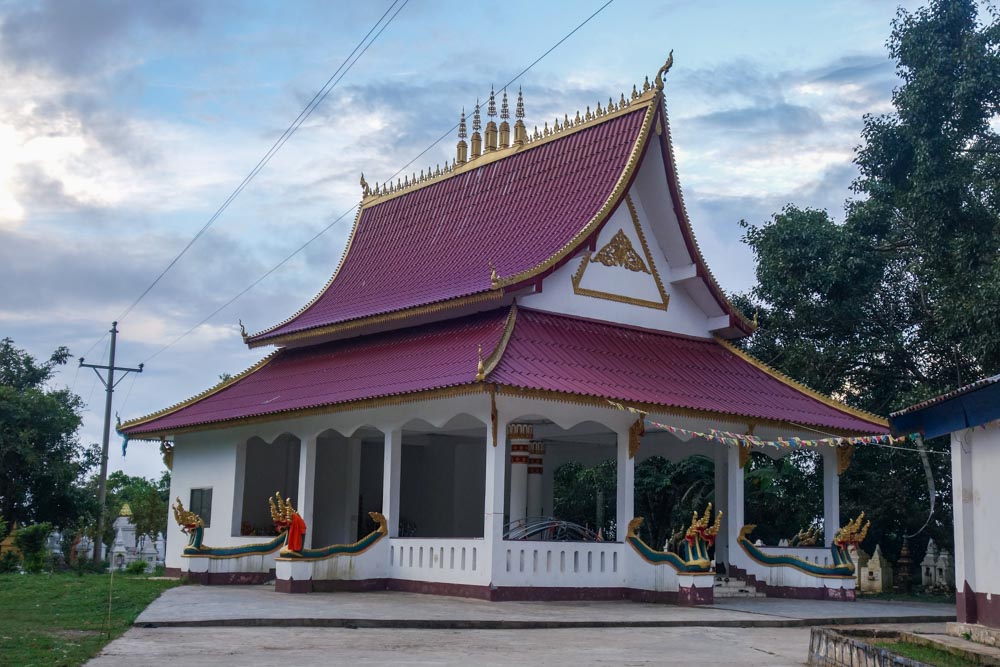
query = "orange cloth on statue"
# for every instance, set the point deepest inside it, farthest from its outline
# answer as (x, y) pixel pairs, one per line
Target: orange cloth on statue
(296, 533)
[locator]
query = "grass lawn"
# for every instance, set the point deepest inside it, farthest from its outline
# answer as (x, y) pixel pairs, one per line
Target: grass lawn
(931, 656)
(62, 619)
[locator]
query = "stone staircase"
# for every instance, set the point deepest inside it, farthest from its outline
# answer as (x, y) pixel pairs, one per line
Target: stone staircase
(726, 587)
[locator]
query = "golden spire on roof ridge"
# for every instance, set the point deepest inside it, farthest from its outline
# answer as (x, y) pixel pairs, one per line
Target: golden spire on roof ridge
(365, 190)
(461, 149)
(491, 126)
(477, 139)
(504, 125)
(520, 131)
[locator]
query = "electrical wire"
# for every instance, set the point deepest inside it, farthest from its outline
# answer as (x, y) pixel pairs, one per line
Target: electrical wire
(285, 136)
(354, 206)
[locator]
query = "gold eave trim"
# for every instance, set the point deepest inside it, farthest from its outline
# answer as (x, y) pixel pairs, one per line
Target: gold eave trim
(798, 386)
(490, 363)
(384, 318)
(199, 397)
(664, 302)
(360, 404)
(653, 408)
(495, 156)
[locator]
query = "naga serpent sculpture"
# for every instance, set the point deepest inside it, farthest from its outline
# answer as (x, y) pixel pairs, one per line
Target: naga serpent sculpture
(850, 535)
(291, 528)
(694, 549)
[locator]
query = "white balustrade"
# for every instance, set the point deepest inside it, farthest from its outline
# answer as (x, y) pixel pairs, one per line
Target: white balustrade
(576, 564)
(445, 560)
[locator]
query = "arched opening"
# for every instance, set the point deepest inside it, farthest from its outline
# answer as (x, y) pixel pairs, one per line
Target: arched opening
(442, 479)
(347, 485)
(784, 494)
(561, 482)
(266, 468)
(667, 491)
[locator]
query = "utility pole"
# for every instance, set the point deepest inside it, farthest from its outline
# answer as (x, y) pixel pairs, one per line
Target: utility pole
(109, 388)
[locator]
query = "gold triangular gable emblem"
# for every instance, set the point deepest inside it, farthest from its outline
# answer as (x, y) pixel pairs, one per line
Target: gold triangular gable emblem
(619, 252)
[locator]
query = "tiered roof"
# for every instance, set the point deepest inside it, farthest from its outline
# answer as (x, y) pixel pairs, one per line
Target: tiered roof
(429, 277)
(526, 353)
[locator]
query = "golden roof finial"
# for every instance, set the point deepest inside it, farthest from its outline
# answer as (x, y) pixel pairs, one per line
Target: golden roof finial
(462, 134)
(477, 139)
(504, 109)
(365, 190)
(520, 131)
(491, 107)
(243, 330)
(481, 367)
(662, 74)
(504, 125)
(494, 276)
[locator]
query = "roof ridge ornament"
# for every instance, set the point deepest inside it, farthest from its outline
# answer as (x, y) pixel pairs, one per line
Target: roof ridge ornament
(661, 75)
(365, 190)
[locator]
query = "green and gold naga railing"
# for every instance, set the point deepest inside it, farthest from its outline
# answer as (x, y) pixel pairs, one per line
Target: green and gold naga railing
(850, 535)
(693, 558)
(291, 531)
(333, 550)
(194, 527)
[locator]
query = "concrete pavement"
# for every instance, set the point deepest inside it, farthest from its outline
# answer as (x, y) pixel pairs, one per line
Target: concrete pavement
(222, 606)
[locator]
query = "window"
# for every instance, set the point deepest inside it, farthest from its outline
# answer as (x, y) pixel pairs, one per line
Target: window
(201, 504)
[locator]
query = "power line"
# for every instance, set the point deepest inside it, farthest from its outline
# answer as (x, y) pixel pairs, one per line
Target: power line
(354, 206)
(285, 136)
(519, 75)
(251, 285)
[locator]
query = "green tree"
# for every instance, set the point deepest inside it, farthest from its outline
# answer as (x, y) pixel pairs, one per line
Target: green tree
(147, 499)
(41, 460)
(902, 300)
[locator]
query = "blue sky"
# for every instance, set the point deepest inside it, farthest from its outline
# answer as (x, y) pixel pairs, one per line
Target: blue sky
(124, 125)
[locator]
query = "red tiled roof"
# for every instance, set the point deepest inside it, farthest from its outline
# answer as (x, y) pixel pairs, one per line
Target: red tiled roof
(565, 354)
(544, 352)
(400, 362)
(437, 242)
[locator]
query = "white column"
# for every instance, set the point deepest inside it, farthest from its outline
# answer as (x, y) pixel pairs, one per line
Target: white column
(496, 467)
(831, 495)
(520, 436)
(390, 479)
(307, 485)
(721, 458)
(536, 467)
(963, 498)
(734, 494)
(625, 502)
(352, 487)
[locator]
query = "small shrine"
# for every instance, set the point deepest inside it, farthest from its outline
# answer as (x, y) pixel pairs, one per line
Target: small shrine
(539, 299)
(876, 574)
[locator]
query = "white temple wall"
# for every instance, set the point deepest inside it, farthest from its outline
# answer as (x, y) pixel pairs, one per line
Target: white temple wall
(204, 460)
(975, 471)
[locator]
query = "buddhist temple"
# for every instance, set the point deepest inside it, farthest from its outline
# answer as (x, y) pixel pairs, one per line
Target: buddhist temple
(540, 299)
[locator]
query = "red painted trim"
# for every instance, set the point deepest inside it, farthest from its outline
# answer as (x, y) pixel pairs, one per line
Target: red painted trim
(793, 592)
(228, 578)
(685, 596)
(293, 586)
(976, 607)
(172, 572)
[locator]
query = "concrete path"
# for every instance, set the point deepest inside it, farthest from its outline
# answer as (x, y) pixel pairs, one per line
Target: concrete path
(570, 647)
(255, 606)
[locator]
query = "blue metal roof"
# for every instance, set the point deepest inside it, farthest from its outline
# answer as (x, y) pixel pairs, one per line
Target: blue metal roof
(969, 406)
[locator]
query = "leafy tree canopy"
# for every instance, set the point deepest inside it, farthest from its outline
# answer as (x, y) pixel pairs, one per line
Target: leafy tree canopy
(41, 460)
(902, 300)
